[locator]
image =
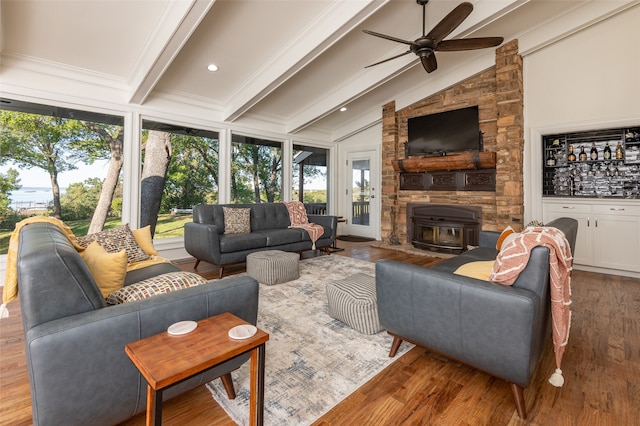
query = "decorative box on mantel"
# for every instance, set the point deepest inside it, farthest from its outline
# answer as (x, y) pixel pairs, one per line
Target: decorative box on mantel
(468, 171)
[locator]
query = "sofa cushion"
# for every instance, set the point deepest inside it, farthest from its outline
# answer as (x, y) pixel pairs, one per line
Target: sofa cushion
(116, 239)
(477, 254)
(275, 237)
(107, 269)
(138, 275)
(237, 220)
(160, 284)
(230, 243)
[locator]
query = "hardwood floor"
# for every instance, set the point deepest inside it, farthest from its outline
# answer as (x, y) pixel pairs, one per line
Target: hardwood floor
(601, 367)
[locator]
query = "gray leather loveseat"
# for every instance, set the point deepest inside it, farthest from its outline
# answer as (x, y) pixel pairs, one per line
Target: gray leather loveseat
(205, 238)
(78, 370)
(502, 330)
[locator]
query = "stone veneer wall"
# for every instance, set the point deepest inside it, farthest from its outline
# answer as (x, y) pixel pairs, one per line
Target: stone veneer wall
(498, 92)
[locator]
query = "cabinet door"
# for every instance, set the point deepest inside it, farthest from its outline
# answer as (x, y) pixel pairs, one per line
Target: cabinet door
(583, 253)
(617, 242)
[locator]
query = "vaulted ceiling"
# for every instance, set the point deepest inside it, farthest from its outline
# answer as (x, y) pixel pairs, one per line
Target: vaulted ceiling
(290, 64)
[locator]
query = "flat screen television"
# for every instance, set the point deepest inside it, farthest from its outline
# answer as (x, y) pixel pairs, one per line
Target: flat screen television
(444, 132)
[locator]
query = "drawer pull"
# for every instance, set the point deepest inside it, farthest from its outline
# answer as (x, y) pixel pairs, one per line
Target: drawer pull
(568, 207)
(617, 209)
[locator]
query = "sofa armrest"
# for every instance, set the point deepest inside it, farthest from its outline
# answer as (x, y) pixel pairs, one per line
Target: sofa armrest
(488, 239)
(79, 371)
(202, 241)
(330, 222)
(486, 325)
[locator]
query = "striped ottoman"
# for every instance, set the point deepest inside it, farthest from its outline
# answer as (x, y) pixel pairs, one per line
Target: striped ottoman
(352, 300)
(273, 266)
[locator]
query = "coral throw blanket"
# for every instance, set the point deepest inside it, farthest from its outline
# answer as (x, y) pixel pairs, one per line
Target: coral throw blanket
(299, 219)
(513, 258)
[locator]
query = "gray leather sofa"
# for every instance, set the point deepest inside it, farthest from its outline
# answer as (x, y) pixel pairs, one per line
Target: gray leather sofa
(78, 370)
(502, 330)
(205, 239)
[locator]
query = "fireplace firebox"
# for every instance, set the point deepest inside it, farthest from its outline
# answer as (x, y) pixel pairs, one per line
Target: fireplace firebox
(443, 227)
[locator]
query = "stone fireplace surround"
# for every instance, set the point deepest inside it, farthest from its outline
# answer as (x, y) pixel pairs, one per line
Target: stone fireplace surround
(498, 92)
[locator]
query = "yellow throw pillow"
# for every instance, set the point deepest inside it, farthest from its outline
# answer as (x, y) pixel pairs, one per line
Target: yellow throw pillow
(479, 270)
(507, 231)
(107, 269)
(144, 240)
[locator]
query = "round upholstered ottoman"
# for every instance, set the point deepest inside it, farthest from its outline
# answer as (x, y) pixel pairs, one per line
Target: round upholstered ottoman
(273, 266)
(352, 300)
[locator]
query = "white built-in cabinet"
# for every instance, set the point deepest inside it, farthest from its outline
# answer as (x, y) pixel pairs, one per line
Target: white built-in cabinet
(608, 237)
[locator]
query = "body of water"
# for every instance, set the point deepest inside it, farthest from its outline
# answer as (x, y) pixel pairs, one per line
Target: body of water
(32, 198)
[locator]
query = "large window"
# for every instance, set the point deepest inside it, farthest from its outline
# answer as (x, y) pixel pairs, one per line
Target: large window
(179, 171)
(256, 170)
(59, 162)
(310, 184)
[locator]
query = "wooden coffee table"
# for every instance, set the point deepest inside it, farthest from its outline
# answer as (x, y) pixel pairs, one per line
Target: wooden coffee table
(164, 360)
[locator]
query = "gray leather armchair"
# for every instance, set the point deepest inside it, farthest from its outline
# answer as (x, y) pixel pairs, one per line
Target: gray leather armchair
(502, 330)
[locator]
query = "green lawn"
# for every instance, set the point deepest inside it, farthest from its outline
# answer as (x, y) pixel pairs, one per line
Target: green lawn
(168, 226)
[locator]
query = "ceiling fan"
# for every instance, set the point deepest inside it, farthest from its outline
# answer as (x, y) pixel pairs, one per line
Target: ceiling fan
(426, 46)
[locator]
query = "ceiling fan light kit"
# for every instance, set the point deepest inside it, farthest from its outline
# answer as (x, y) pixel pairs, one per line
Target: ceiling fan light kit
(426, 46)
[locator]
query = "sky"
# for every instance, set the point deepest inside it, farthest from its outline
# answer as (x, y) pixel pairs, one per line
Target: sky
(39, 178)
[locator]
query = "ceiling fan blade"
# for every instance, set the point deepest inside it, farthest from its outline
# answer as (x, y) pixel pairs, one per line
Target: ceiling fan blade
(469, 43)
(386, 37)
(388, 59)
(429, 61)
(450, 22)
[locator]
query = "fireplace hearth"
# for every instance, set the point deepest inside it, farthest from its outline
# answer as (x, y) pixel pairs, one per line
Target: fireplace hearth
(443, 227)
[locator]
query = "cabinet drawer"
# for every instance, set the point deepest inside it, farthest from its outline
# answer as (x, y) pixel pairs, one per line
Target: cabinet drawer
(616, 209)
(566, 209)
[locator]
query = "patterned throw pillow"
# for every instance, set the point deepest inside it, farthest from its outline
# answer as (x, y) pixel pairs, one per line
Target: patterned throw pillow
(160, 284)
(237, 220)
(115, 240)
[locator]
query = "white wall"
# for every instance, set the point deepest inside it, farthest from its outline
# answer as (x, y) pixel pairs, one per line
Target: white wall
(586, 81)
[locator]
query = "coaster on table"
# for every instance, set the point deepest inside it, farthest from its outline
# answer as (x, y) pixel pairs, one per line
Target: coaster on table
(182, 327)
(243, 331)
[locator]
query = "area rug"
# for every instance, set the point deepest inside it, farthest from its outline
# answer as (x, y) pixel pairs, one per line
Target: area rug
(312, 361)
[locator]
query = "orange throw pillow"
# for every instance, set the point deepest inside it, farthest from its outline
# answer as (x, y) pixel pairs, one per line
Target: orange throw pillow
(503, 236)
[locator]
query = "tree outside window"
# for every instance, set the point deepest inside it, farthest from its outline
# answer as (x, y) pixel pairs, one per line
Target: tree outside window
(256, 170)
(42, 146)
(179, 171)
(310, 184)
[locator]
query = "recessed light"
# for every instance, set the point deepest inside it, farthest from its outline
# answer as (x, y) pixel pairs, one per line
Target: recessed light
(212, 67)
(343, 109)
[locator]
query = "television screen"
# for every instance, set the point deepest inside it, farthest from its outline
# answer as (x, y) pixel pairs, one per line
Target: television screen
(444, 132)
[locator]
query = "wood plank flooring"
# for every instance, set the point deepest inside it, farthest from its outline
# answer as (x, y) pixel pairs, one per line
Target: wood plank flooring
(601, 368)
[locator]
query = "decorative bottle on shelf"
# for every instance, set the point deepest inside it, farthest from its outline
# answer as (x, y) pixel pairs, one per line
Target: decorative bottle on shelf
(594, 151)
(607, 152)
(551, 158)
(583, 155)
(571, 156)
(619, 153)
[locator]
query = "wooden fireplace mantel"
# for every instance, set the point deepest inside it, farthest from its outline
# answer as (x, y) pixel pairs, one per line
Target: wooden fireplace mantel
(462, 161)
